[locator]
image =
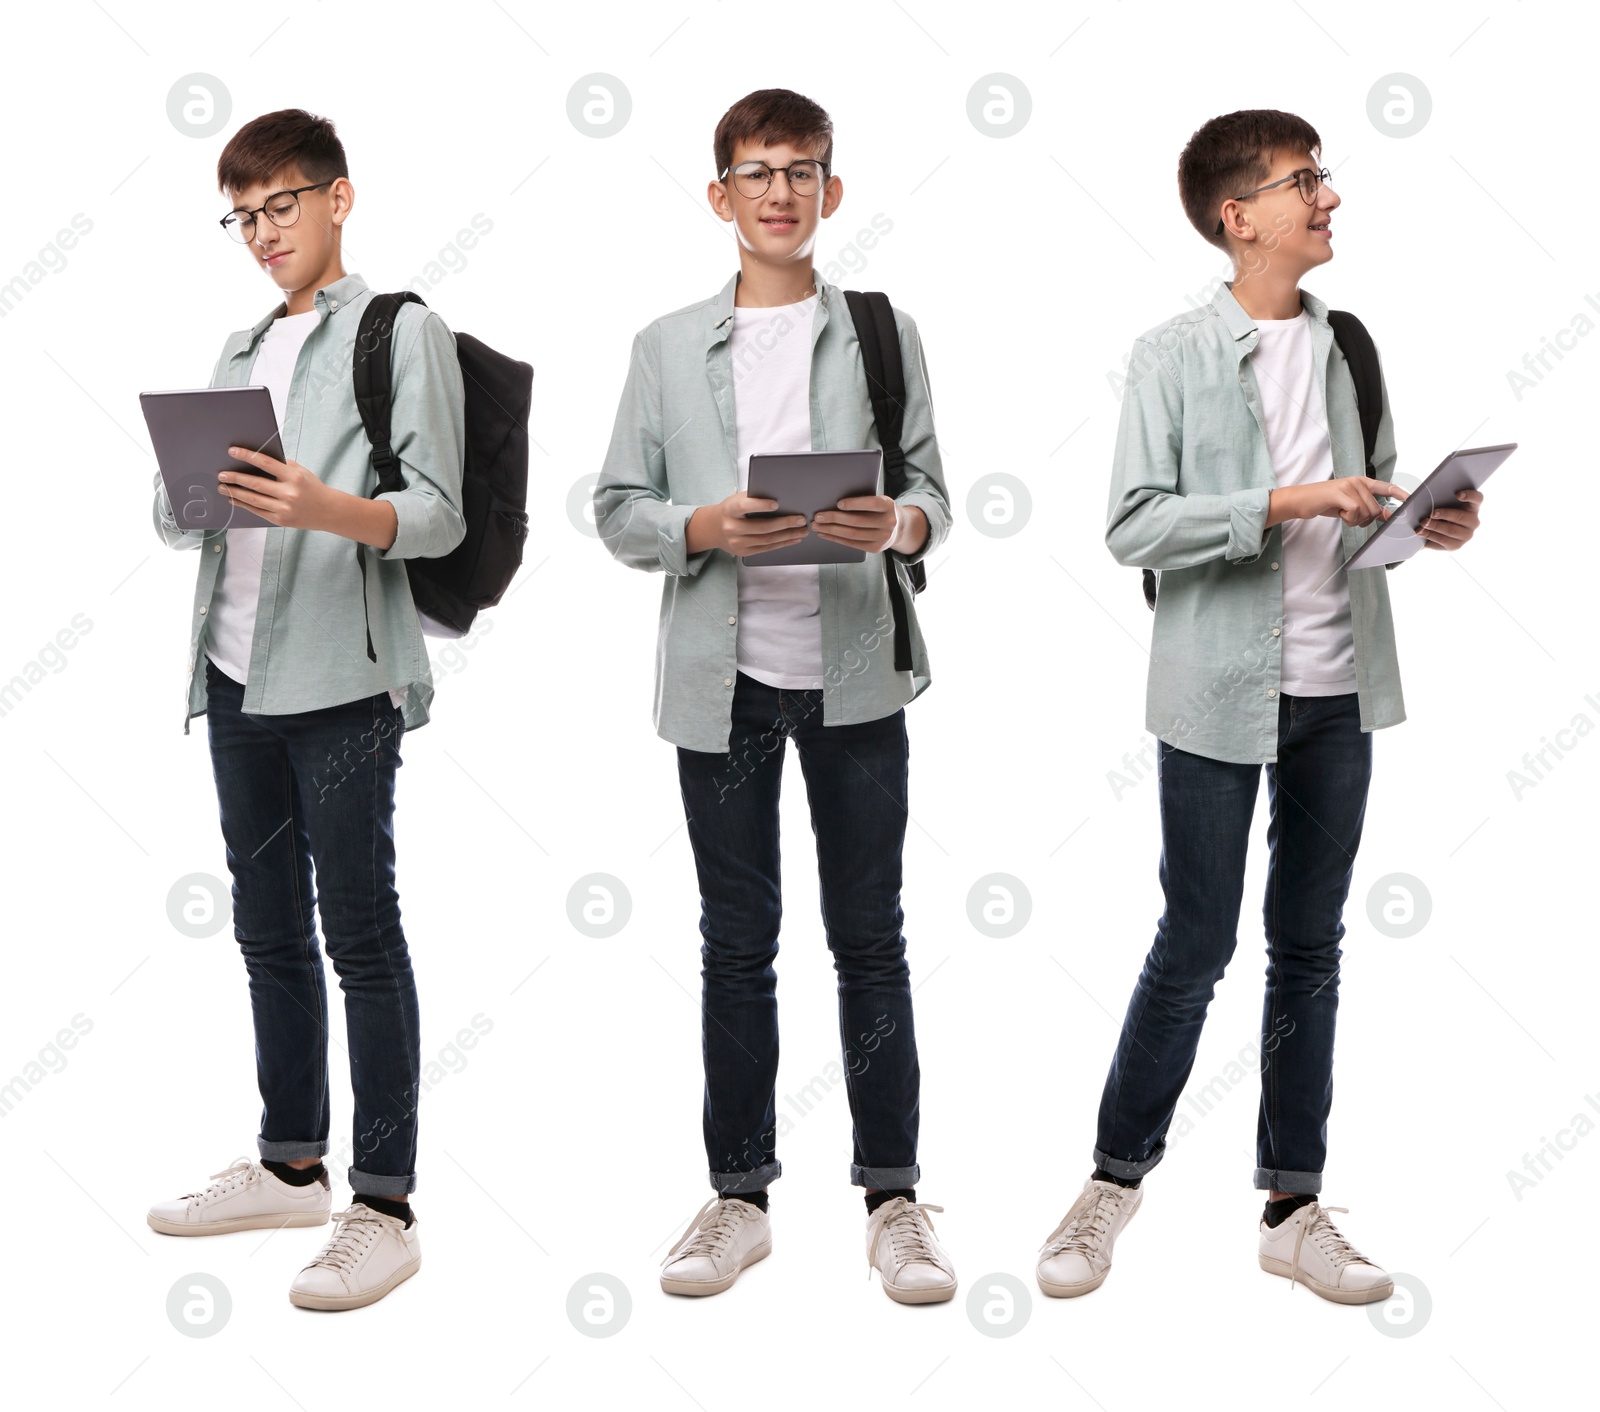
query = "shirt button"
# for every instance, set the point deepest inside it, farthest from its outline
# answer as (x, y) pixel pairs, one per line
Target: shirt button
(727, 681)
(202, 607)
(1277, 632)
(216, 549)
(1274, 563)
(731, 618)
(1272, 691)
(333, 303)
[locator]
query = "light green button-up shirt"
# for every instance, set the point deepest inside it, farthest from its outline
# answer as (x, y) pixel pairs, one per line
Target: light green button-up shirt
(673, 449)
(1189, 492)
(310, 646)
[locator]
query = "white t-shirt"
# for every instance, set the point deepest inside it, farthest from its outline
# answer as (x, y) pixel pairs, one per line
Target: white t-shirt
(780, 605)
(1318, 651)
(232, 615)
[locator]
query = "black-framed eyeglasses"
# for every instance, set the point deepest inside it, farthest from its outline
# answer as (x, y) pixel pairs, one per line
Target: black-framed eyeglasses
(1309, 182)
(282, 208)
(752, 179)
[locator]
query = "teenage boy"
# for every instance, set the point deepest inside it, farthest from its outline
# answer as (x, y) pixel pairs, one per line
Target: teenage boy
(305, 726)
(1240, 477)
(751, 656)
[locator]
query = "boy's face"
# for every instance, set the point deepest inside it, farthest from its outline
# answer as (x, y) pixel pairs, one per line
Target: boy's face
(1284, 227)
(778, 226)
(296, 255)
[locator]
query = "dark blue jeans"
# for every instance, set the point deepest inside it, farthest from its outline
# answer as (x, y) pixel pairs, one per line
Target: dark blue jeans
(1317, 791)
(856, 784)
(314, 790)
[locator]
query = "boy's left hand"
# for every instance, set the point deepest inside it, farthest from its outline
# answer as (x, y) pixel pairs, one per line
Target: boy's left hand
(296, 499)
(869, 522)
(1449, 528)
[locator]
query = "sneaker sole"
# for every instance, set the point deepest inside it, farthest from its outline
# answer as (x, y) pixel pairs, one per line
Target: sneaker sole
(672, 1286)
(1056, 1291)
(1330, 1292)
(935, 1295)
(236, 1223)
(355, 1301)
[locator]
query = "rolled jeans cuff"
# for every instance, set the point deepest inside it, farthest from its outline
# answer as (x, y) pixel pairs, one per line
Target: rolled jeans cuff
(1295, 1183)
(1128, 1171)
(738, 1183)
(381, 1184)
(885, 1178)
(290, 1151)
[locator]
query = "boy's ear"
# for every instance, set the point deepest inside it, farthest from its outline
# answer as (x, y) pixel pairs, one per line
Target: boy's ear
(717, 195)
(342, 200)
(832, 195)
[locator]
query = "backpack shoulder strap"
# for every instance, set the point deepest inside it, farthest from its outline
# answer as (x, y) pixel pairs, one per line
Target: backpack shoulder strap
(372, 367)
(1361, 353)
(879, 337)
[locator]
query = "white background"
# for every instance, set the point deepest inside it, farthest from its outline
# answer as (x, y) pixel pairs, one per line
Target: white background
(569, 1143)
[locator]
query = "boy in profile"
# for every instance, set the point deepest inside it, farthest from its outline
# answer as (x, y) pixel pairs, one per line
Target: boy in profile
(304, 722)
(1240, 476)
(750, 656)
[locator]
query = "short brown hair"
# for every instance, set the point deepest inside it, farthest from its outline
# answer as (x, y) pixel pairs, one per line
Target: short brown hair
(1232, 154)
(277, 141)
(773, 115)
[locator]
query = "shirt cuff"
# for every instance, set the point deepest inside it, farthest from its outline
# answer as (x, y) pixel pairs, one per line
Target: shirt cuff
(1247, 519)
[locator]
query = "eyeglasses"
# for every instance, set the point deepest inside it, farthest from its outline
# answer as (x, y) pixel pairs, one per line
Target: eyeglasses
(1308, 181)
(753, 178)
(282, 208)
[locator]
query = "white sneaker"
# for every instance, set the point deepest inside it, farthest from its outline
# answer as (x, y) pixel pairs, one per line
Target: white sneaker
(243, 1197)
(725, 1236)
(902, 1247)
(368, 1254)
(1077, 1256)
(1307, 1247)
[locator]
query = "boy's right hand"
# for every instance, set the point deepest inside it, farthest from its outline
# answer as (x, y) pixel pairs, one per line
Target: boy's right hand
(1354, 499)
(727, 525)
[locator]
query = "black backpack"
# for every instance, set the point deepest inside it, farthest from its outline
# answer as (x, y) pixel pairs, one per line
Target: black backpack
(1361, 353)
(886, 384)
(494, 485)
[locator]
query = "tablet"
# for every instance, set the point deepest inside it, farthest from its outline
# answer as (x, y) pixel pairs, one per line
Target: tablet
(1398, 540)
(192, 431)
(803, 482)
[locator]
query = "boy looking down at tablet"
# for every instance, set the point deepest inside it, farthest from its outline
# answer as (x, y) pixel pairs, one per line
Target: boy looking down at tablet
(750, 657)
(304, 726)
(1239, 475)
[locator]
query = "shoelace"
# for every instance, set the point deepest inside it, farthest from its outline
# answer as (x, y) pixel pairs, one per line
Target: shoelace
(1326, 1237)
(355, 1229)
(711, 1238)
(241, 1169)
(910, 1234)
(1084, 1227)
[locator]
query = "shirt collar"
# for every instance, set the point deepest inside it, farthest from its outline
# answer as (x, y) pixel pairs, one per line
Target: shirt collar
(719, 319)
(1242, 327)
(329, 299)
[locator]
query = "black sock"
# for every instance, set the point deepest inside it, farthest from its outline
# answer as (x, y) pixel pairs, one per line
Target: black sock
(296, 1176)
(875, 1199)
(1101, 1175)
(758, 1199)
(400, 1210)
(1279, 1211)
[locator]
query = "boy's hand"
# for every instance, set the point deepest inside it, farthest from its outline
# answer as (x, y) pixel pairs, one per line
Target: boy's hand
(1448, 528)
(296, 499)
(1354, 499)
(873, 523)
(728, 525)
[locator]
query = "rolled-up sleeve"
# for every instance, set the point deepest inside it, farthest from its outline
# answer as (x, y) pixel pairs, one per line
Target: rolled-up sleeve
(1149, 525)
(924, 470)
(633, 510)
(428, 432)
